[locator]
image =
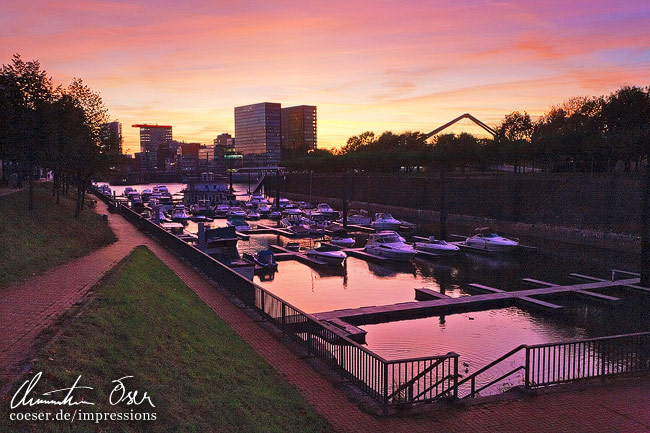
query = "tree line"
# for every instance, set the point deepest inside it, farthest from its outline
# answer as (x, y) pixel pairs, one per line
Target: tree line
(583, 134)
(48, 128)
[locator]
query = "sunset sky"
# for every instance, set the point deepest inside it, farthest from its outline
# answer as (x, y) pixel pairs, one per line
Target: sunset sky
(367, 65)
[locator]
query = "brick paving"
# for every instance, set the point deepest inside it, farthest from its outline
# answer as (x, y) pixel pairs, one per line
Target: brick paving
(620, 407)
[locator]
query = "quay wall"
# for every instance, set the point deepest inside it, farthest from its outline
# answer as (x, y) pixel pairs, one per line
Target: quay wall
(593, 210)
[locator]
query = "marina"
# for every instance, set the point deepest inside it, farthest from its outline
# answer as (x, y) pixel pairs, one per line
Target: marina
(381, 296)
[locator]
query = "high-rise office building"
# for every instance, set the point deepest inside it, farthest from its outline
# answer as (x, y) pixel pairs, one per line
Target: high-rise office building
(257, 133)
(298, 130)
(112, 131)
(151, 136)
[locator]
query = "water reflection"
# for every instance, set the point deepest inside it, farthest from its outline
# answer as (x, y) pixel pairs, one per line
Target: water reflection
(480, 336)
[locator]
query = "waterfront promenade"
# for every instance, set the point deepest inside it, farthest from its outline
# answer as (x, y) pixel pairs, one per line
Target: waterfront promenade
(29, 308)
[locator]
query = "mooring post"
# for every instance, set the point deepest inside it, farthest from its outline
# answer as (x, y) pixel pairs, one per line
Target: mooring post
(277, 189)
(645, 236)
(201, 235)
(443, 203)
(346, 193)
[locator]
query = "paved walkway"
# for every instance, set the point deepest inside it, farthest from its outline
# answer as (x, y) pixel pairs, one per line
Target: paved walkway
(29, 307)
(624, 407)
(7, 191)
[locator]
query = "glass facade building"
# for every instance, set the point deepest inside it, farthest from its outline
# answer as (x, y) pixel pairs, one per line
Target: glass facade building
(151, 136)
(112, 132)
(257, 133)
(298, 130)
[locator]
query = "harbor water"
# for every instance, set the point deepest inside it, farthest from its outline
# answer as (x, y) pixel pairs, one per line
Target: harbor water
(478, 337)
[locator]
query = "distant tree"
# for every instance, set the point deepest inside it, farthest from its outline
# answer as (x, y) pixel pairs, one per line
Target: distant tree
(26, 90)
(92, 152)
(513, 137)
(358, 142)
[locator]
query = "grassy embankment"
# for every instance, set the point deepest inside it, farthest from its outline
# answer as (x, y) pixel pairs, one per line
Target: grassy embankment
(145, 322)
(31, 242)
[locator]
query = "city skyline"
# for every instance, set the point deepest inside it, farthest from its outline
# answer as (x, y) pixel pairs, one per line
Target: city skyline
(366, 65)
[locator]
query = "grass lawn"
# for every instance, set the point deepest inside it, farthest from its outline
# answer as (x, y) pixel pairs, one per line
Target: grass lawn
(31, 242)
(145, 322)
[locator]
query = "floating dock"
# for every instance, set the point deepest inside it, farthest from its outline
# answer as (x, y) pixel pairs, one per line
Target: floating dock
(438, 304)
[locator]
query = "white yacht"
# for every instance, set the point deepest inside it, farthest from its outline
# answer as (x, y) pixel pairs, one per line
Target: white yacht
(343, 241)
(283, 203)
(264, 209)
(239, 224)
(326, 210)
(180, 213)
(328, 254)
(253, 215)
(234, 212)
(390, 245)
(127, 191)
(385, 221)
(258, 199)
(221, 209)
(437, 246)
(357, 219)
(491, 242)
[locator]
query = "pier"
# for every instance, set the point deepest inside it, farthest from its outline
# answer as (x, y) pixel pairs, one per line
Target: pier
(433, 303)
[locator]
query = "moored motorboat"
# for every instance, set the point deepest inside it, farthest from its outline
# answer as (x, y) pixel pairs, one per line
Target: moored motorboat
(264, 210)
(235, 212)
(275, 215)
(293, 246)
(326, 210)
(179, 213)
(264, 259)
(357, 219)
(343, 241)
(222, 241)
(282, 203)
(201, 219)
(253, 215)
(390, 245)
(490, 242)
(437, 246)
(258, 199)
(329, 254)
(239, 224)
(221, 209)
(385, 221)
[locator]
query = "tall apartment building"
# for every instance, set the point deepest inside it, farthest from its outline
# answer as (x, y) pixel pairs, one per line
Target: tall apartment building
(151, 136)
(113, 131)
(257, 133)
(298, 130)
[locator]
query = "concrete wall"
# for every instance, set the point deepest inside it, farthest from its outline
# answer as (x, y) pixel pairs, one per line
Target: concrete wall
(594, 210)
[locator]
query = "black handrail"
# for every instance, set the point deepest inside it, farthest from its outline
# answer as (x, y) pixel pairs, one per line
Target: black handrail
(492, 364)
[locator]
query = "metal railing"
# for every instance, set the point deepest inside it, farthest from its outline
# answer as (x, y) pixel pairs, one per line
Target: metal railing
(389, 382)
(414, 380)
(557, 363)
(551, 364)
